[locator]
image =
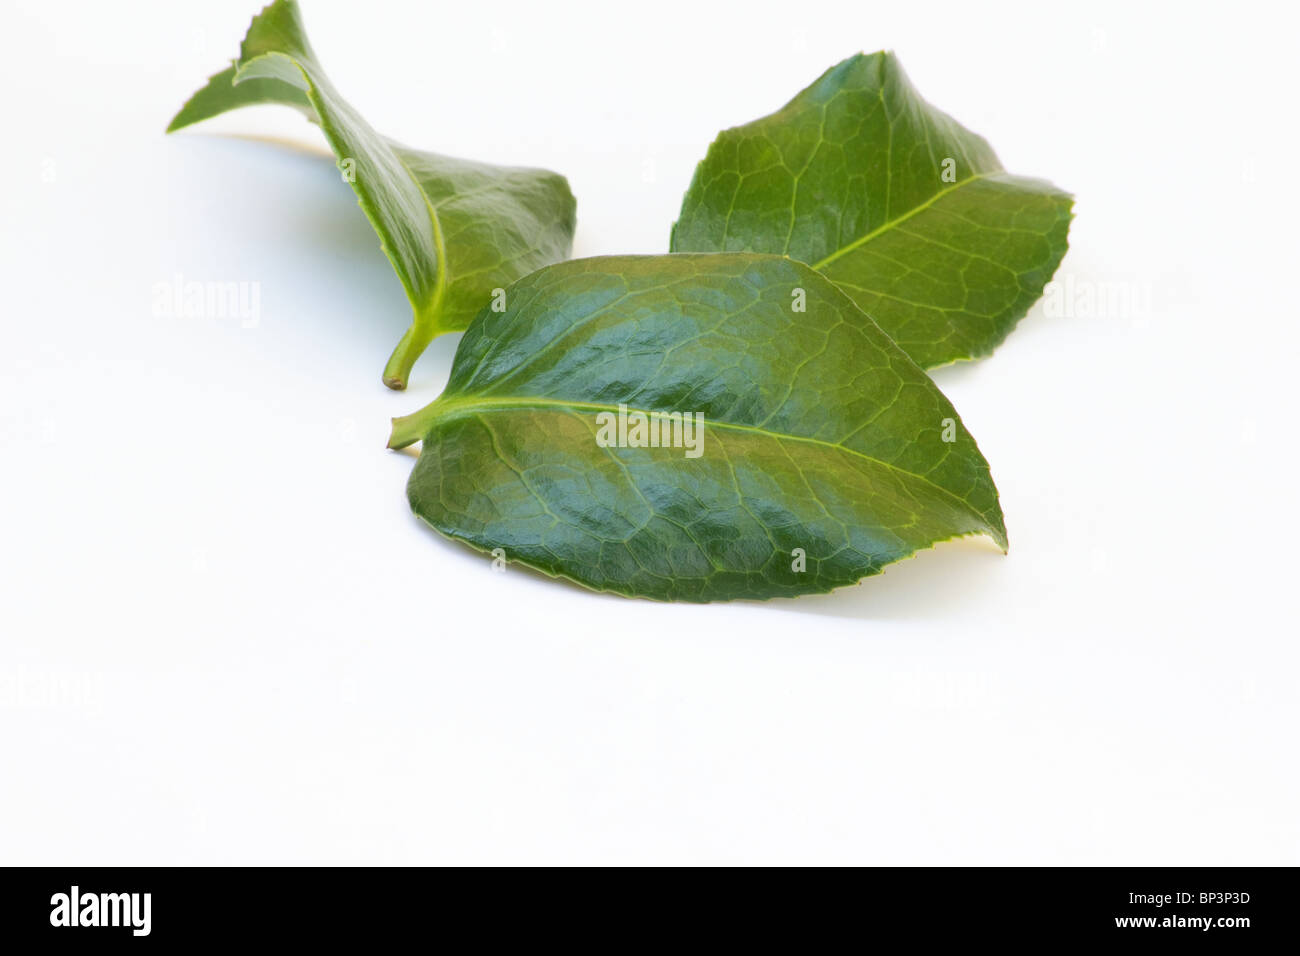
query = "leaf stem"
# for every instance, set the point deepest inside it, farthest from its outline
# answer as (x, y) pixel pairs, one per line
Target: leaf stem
(411, 428)
(410, 348)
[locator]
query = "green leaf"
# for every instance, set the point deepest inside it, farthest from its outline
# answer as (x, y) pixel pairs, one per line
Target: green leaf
(454, 230)
(819, 433)
(907, 211)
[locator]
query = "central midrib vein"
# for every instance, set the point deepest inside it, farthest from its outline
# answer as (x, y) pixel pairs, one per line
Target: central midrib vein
(890, 224)
(428, 310)
(453, 408)
(440, 247)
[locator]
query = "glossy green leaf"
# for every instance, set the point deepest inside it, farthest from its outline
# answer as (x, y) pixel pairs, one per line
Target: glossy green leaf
(454, 230)
(820, 437)
(906, 210)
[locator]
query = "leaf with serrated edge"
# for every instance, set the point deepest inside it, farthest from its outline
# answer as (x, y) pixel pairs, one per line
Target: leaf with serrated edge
(906, 210)
(454, 230)
(819, 433)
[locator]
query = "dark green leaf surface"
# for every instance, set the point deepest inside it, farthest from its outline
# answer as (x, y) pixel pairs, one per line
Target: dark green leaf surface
(850, 177)
(454, 230)
(819, 434)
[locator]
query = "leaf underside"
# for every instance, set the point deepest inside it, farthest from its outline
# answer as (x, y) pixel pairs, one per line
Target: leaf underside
(906, 210)
(819, 434)
(454, 230)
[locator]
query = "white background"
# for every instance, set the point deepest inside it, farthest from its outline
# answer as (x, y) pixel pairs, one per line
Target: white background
(225, 639)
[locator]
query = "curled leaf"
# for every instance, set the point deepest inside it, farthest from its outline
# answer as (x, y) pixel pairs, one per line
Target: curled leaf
(454, 230)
